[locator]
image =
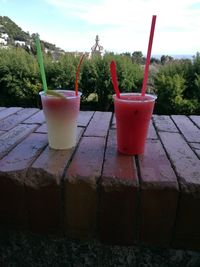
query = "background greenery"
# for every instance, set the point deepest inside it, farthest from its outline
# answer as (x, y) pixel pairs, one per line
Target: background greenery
(176, 82)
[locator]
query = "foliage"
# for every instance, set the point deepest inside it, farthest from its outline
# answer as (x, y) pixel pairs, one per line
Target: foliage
(129, 78)
(165, 59)
(88, 79)
(137, 57)
(103, 86)
(61, 74)
(19, 80)
(176, 83)
(14, 31)
(178, 87)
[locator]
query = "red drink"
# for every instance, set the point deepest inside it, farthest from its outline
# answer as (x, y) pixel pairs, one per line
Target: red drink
(133, 113)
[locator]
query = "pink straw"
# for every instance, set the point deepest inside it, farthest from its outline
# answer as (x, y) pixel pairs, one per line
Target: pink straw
(146, 71)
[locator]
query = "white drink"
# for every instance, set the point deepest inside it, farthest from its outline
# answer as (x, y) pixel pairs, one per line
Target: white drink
(61, 136)
(61, 117)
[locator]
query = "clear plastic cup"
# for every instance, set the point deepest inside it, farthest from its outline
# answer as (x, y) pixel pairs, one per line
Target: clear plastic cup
(61, 118)
(133, 114)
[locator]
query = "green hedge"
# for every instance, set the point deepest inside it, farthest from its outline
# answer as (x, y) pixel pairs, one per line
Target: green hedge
(20, 79)
(177, 83)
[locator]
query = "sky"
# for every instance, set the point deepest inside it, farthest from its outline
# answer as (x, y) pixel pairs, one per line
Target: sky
(122, 25)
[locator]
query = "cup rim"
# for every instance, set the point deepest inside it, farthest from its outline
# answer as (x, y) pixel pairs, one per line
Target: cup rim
(150, 99)
(42, 93)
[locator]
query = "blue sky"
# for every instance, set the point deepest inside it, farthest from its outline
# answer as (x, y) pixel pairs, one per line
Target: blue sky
(122, 25)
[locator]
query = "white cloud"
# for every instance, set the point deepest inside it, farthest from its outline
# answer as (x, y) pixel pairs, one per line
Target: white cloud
(122, 12)
(128, 23)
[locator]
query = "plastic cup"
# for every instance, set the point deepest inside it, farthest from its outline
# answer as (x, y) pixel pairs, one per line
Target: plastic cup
(133, 113)
(61, 118)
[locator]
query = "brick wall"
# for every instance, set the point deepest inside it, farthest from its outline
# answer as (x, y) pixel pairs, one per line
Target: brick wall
(92, 191)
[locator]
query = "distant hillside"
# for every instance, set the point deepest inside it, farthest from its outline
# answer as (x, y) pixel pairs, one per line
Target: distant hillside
(13, 30)
(12, 35)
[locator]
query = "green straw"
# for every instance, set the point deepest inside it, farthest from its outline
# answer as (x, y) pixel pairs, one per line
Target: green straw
(41, 64)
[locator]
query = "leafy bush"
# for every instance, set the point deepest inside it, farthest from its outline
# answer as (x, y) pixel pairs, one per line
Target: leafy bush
(130, 74)
(89, 76)
(177, 85)
(61, 74)
(94, 78)
(19, 79)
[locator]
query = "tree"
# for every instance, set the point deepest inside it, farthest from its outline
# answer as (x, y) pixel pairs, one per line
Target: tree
(127, 54)
(166, 59)
(137, 57)
(155, 60)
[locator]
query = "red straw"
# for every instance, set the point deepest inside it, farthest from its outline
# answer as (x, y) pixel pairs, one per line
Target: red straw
(113, 73)
(146, 71)
(77, 73)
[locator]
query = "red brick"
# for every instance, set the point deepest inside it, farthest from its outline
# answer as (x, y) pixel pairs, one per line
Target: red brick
(23, 154)
(196, 148)
(195, 145)
(164, 123)
(84, 118)
(99, 124)
(187, 128)
(187, 167)
(11, 121)
(37, 118)
(8, 111)
(113, 123)
(197, 151)
(187, 233)
(183, 159)
(13, 168)
(13, 212)
(118, 196)
(2, 132)
(80, 188)
(159, 195)
(42, 128)
(195, 119)
(152, 132)
(11, 138)
(43, 189)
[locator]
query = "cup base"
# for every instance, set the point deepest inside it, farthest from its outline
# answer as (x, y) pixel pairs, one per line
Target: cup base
(130, 153)
(61, 148)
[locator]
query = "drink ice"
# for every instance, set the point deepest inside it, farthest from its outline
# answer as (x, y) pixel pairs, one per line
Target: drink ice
(133, 113)
(61, 118)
